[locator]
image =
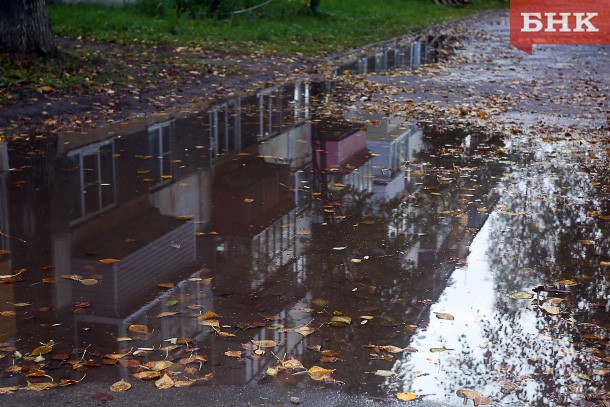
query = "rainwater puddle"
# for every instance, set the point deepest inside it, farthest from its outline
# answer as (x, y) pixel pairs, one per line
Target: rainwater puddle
(269, 236)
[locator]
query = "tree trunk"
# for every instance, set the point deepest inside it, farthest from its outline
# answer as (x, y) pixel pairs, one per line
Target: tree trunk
(25, 27)
(314, 4)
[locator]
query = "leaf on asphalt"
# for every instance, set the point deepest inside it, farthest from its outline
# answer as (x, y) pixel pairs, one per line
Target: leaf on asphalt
(9, 389)
(120, 386)
(165, 382)
(40, 386)
(406, 396)
(444, 315)
(522, 295)
(138, 329)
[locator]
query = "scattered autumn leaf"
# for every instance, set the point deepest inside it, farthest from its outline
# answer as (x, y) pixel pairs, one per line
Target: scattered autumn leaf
(406, 396)
(138, 329)
(120, 386)
(165, 382)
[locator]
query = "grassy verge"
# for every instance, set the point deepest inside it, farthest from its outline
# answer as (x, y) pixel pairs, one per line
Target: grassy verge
(281, 25)
(129, 47)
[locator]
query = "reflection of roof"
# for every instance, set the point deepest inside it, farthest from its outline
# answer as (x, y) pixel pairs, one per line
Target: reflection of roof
(334, 129)
(256, 170)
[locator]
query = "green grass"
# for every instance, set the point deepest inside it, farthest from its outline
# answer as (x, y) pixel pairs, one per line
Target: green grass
(282, 25)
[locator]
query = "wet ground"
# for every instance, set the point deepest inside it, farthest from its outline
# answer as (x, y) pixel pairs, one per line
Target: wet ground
(303, 241)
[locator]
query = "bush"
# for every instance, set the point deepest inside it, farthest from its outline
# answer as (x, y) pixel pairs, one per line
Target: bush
(197, 9)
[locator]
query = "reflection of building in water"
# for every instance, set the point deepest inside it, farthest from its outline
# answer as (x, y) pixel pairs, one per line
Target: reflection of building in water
(410, 56)
(7, 297)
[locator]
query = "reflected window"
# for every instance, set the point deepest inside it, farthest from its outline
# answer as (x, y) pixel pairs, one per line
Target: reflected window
(225, 128)
(96, 178)
(160, 151)
(4, 232)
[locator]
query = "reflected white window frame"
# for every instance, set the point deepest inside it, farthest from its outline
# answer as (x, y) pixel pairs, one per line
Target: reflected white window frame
(215, 121)
(161, 128)
(79, 154)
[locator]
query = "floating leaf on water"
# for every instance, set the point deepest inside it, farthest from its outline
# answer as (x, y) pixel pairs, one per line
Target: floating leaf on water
(210, 322)
(74, 277)
(410, 328)
(192, 359)
(7, 313)
(601, 372)
(384, 373)
(138, 329)
(159, 365)
(305, 330)
(438, 350)
(166, 314)
(604, 263)
(225, 334)
(120, 386)
(317, 370)
(123, 339)
(340, 321)
(166, 285)
(468, 394)
(171, 303)
(233, 353)
(320, 302)
(265, 344)
(165, 382)
(406, 396)
(583, 376)
(292, 364)
(147, 375)
(568, 282)
(551, 309)
(89, 281)
(22, 304)
(108, 261)
(209, 315)
(115, 356)
(387, 321)
(444, 315)
(340, 248)
(271, 372)
(5, 252)
(522, 295)
(587, 242)
(42, 350)
(392, 349)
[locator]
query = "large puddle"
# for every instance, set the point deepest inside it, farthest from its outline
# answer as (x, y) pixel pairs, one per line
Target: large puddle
(278, 232)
